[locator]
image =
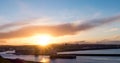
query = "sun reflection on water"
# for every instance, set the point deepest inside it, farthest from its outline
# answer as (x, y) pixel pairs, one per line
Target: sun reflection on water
(45, 60)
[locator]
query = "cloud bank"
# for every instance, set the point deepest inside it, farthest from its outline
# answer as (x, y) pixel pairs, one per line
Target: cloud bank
(55, 30)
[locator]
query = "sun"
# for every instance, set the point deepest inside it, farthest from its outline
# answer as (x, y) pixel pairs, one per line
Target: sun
(42, 39)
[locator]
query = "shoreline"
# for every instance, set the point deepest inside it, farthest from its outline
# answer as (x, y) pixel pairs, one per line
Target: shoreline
(5, 60)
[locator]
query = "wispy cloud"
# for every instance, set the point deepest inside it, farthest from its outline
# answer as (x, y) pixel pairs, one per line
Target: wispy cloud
(3, 41)
(115, 37)
(3, 20)
(55, 30)
(34, 21)
(113, 30)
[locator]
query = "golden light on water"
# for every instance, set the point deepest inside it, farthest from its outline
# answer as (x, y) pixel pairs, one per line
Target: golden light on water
(45, 60)
(42, 40)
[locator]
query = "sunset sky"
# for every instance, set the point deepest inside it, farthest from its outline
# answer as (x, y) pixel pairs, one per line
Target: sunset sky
(25, 22)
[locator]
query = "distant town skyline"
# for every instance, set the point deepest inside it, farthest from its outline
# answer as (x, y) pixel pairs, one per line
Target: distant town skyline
(57, 21)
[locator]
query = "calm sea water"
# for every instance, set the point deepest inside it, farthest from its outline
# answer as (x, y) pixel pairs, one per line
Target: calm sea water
(79, 59)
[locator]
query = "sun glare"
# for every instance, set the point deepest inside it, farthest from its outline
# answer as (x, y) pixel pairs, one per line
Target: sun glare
(42, 39)
(45, 60)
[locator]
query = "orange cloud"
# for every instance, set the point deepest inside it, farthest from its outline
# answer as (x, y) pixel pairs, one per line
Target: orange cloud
(56, 30)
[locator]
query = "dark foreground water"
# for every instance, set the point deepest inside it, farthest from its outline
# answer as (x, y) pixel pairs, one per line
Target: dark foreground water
(79, 59)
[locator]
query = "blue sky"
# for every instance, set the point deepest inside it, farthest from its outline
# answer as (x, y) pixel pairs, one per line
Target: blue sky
(64, 11)
(16, 9)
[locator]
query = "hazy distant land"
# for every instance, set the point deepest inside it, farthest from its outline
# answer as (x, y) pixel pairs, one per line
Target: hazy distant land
(54, 48)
